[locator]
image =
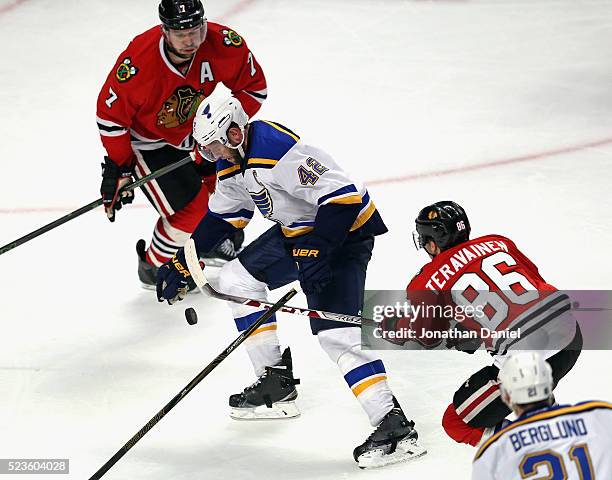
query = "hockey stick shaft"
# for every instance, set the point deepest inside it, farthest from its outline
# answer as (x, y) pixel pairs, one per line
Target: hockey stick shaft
(191, 385)
(199, 278)
(92, 205)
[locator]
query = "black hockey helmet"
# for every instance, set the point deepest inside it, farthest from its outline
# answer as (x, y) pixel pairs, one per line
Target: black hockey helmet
(181, 14)
(445, 222)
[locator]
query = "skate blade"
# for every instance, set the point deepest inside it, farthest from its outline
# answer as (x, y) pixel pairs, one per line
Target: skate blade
(279, 410)
(406, 450)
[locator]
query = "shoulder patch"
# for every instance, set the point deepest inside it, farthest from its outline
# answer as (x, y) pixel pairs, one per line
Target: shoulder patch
(125, 70)
(231, 38)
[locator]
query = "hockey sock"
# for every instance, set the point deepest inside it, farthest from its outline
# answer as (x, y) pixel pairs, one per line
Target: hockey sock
(364, 373)
(262, 346)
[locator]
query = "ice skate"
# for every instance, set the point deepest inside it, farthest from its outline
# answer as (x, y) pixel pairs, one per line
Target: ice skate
(147, 273)
(227, 250)
(394, 440)
(272, 396)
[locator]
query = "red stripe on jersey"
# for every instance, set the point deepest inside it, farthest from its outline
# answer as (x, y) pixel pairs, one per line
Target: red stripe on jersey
(479, 400)
(150, 187)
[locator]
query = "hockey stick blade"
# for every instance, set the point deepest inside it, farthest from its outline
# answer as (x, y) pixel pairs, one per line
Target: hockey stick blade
(193, 263)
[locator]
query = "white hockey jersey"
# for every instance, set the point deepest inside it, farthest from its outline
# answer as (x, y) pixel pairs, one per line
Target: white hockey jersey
(556, 443)
(286, 180)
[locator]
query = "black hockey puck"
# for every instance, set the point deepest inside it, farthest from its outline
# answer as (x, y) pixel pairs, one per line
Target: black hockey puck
(191, 316)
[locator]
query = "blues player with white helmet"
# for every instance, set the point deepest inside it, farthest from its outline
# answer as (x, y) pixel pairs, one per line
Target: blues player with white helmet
(558, 442)
(325, 225)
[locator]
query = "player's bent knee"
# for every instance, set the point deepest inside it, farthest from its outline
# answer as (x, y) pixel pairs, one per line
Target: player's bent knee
(458, 430)
(235, 279)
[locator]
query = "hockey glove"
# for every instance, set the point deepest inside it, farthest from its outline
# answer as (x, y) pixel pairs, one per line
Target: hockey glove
(173, 279)
(395, 325)
(466, 345)
(114, 178)
(311, 256)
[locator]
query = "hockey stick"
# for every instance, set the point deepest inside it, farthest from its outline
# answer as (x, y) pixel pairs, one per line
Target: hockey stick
(193, 263)
(93, 205)
(191, 385)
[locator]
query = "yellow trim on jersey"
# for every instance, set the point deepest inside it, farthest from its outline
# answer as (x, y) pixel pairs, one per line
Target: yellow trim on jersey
(282, 130)
(228, 170)
(238, 223)
(541, 416)
(295, 232)
(358, 390)
(364, 217)
(264, 161)
(351, 199)
(265, 328)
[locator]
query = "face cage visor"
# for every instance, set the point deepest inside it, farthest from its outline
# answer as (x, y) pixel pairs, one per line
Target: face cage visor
(208, 155)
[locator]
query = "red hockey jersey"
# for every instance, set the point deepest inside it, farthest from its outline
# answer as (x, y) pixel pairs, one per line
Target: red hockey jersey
(490, 286)
(148, 103)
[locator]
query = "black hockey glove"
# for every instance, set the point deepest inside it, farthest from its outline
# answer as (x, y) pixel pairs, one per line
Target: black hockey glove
(466, 345)
(173, 279)
(114, 178)
(311, 256)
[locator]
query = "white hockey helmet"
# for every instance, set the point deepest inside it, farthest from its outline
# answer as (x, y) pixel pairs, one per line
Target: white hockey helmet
(526, 377)
(213, 119)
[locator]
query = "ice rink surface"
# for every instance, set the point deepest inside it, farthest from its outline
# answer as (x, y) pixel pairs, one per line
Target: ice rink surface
(502, 106)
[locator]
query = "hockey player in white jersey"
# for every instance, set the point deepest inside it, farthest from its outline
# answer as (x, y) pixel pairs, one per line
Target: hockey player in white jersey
(323, 236)
(557, 442)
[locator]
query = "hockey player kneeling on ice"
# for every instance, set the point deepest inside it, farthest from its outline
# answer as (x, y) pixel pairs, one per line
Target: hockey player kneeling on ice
(323, 237)
(496, 289)
(570, 442)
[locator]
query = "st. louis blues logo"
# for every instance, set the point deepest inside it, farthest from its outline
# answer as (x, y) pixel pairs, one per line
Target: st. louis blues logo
(206, 111)
(262, 199)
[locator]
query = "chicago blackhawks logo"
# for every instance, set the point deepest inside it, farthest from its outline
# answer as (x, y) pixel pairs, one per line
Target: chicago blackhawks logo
(125, 70)
(232, 39)
(432, 215)
(179, 107)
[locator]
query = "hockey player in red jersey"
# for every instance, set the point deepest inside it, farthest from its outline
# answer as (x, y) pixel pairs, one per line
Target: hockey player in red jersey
(145, 111)
(503, 302)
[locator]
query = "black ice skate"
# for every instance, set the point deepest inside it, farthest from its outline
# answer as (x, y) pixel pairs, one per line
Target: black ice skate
(147, 273)
(271, 396)
(227, 250)
(393, 441)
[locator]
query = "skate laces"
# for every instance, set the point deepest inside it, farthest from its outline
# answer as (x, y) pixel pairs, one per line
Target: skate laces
(381, 425)
(257, 382)
(227, 248)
